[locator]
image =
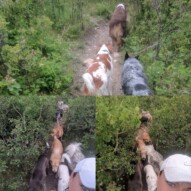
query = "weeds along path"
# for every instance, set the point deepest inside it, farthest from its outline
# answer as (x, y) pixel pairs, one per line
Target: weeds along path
(95, 37)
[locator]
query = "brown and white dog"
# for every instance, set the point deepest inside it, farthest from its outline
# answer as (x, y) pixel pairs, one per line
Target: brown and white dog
(56, 154)
(97, 79)
(117, 26)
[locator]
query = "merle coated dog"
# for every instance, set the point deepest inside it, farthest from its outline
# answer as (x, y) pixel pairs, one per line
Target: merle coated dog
(134, 81)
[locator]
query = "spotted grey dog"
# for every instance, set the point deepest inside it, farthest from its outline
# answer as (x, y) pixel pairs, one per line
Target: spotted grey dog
(134, 81)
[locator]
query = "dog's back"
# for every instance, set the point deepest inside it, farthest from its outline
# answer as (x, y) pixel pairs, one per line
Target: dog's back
(117, 25)
(134, 81)
(135, 183)
(37, 180)
(98, 74)
(58, 130)
(56, 154)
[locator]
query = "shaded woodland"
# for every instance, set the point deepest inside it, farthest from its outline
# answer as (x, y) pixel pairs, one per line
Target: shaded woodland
(117, 121)
(25, 126)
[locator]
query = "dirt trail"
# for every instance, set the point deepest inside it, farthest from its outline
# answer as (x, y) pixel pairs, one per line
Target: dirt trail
(94, 38)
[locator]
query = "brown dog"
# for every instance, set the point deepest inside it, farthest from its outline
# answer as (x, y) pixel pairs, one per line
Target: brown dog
(146, 117)
(38, 178)
(143, 131)
(56, 154)
(142, 136)
(58, 130)
(117, 26)
(141, 148)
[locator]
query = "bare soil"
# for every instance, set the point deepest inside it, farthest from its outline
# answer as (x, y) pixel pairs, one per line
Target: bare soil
(97, 35)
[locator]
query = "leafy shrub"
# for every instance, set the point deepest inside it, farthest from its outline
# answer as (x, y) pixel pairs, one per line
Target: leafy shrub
(103, 10)
(25, 125)
(35, 57)
(158, 32)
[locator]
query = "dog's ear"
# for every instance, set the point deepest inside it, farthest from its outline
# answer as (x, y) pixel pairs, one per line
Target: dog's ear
(110, 47)
(137, 57)
(126, 56)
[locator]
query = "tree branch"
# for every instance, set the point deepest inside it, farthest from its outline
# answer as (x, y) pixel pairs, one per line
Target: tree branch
(117, 141)
(148, 47)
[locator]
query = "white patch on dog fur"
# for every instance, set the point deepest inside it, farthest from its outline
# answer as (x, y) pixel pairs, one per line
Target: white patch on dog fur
(151, 178)
(100, 73)
(154, 157)
(63, 175)
(103, 50)
(121, 5)
(74, 153)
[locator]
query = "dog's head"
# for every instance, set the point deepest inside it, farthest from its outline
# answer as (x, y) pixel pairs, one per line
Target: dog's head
(128, 56)
(105, 49)
(121, 5)
(145, 116)
(55, 165)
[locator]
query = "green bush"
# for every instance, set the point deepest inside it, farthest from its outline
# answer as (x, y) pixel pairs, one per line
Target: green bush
(158, 33)
(103, 10)
(25, 125)
(35, 57)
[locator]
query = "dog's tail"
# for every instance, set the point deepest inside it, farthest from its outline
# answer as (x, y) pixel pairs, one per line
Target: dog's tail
(66, 157)
(88, 80)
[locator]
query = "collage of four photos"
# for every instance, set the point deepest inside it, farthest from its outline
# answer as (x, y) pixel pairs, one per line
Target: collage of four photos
(95, 95)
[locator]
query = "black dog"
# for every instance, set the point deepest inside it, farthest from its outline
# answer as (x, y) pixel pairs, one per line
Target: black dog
(135, 182)
(134, 81)
(38, 178)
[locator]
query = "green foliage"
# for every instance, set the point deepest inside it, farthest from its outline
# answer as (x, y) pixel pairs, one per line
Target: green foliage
(115, 127)
(117, 120)
(35, 54)
(80, 122)
(159, 33)
(25, 125)
(103, 10)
